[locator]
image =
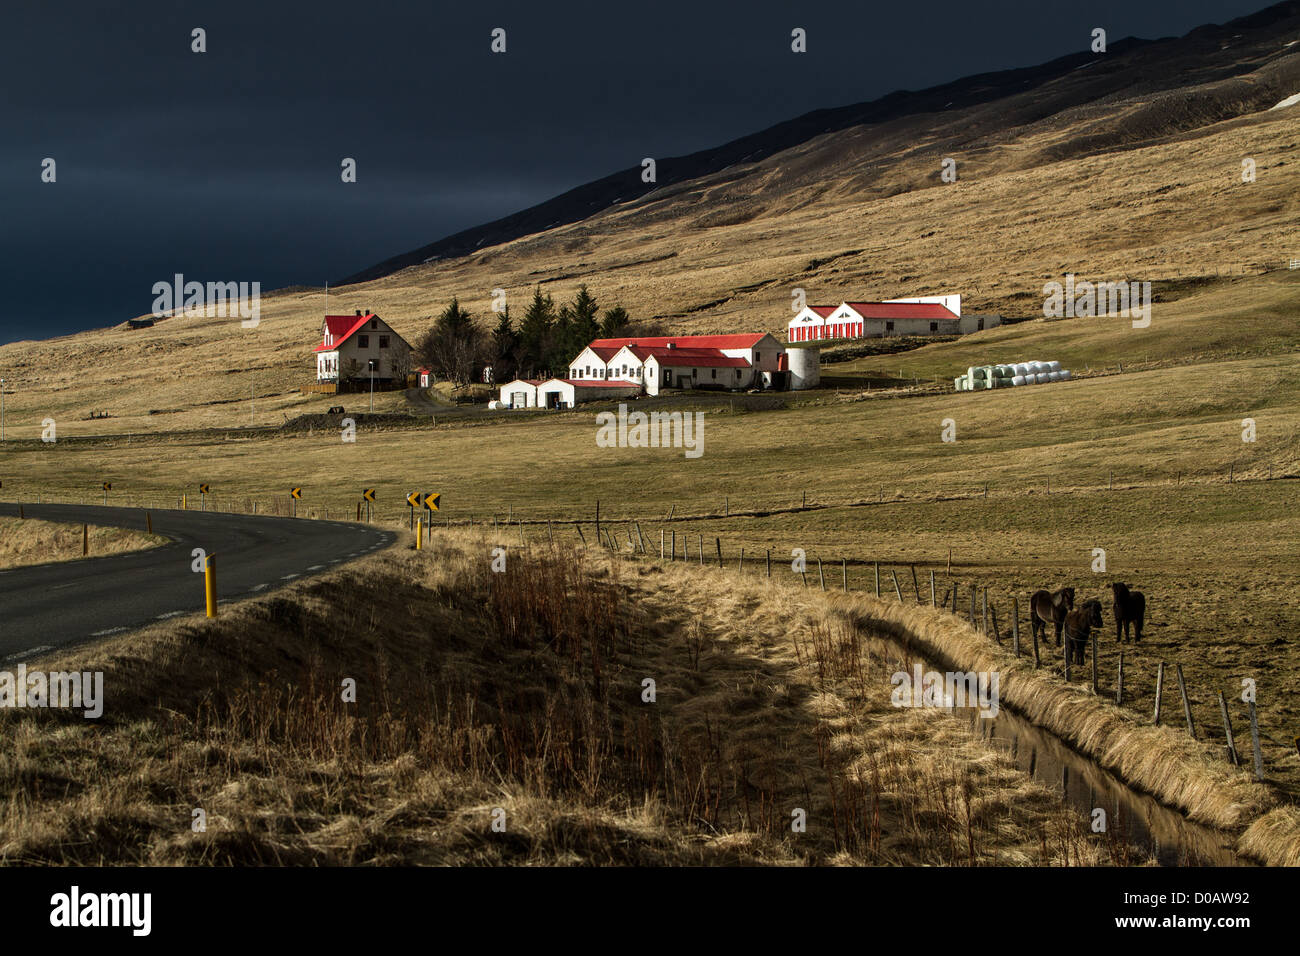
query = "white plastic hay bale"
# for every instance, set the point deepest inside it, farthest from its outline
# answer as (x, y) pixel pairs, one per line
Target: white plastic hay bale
(1042, 378)
(1018, 380)
(1054, 366)
(1065, 375)
(1021, 368)
(1053, 376)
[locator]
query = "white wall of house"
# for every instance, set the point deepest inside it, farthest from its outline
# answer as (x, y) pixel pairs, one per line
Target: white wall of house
(376, 341)
(803, 327)
(519, 394)
(588, 365)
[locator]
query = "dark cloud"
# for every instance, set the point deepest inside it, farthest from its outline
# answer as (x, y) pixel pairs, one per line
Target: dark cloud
(226, 165)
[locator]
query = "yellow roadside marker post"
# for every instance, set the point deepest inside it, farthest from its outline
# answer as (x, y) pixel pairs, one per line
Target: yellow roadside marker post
(210, 583)
(419, 535)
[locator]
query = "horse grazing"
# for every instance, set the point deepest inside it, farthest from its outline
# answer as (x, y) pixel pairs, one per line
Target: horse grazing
(1050, 607)
(1078, 628)
(1130, 609)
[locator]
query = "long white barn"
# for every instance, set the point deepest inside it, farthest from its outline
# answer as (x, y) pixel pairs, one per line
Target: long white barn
(927, 315)
(649, 365)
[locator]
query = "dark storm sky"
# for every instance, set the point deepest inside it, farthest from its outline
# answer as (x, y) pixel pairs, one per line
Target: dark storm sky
(224, 166)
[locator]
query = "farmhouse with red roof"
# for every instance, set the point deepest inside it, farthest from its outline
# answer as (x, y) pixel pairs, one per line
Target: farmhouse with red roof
(927, 315)
(355, 347)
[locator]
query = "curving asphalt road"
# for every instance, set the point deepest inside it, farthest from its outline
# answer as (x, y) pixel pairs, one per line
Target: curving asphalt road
(47, 605)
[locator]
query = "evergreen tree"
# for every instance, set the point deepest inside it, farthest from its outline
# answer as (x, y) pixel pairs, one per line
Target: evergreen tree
(504, 349)
(614, 322)
(536, 332)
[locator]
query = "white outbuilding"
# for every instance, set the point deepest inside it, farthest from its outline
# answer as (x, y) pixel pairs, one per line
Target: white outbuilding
(521, 393)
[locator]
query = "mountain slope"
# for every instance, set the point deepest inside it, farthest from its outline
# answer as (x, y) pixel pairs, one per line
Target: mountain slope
(971, 112)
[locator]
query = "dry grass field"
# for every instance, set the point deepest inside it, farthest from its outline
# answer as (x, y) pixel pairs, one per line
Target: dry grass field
(520, 691)
(479, 691)
(28, 541)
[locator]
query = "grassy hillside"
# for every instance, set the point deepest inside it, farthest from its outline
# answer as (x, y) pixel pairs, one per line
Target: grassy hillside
(520, 693)
(725, 253)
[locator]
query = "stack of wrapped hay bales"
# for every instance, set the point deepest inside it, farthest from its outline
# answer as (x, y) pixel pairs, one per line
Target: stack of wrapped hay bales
(980, 377)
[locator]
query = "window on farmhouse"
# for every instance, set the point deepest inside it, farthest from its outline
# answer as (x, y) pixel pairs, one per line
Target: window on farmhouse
(374, 323)
(363, 342)
(758, 357)
(715, 372)
(383, 341)
(889, 326)
(934, 326)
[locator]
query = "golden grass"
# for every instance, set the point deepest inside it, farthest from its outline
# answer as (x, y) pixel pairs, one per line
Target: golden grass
(1173, 212)
(30, 541)
(521, 692)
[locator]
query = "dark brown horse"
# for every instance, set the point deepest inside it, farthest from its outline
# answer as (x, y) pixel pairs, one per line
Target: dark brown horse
(1050, 607)
(1078, 628)
(1130, 609)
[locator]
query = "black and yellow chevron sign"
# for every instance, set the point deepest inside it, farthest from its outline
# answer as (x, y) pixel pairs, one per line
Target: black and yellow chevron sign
(108, 486)
(413, 499)
(203, 489)
(295, 492)
(431, 501)
(368, 494)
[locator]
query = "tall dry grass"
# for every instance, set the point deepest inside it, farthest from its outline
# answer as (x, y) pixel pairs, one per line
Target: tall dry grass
(25, 541)
(521, 691)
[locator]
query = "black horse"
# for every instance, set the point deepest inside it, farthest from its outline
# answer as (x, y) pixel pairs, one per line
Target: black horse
(1130, 609)
(1050, 607)
(1078, 628)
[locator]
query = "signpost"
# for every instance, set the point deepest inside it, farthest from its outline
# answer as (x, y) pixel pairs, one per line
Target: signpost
(368, 495)
(295, 495)
(413, 502)
(203, 495)
(108, 486)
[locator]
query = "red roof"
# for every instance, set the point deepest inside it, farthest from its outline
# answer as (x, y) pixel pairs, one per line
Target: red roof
(604, 353)
(703, 358)
(824, 310)
(339, 328)
(902, 310)
(742, 341)
(596, 383)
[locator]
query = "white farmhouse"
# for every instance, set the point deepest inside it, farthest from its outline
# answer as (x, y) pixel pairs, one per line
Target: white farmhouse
(657, 362)
(353, 347)
(926, 315)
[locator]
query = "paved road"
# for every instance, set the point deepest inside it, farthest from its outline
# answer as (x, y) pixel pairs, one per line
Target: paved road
(48, 605)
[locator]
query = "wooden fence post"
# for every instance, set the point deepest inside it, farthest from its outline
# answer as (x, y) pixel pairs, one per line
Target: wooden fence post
(916, 587)
(1160, 687)
(844, 574)
(877, 567)
(931, 589)
(717, 543)
(1066, 644)
(820, 576)
(673, 546)
(740, 565)
(1015, 624)
(897, 590)
(661, 542)
(769, 562)
(1094, 662)
(984, 610)
(1227, 730)
(1119, 682)
(1254, 742)
(1187, 705)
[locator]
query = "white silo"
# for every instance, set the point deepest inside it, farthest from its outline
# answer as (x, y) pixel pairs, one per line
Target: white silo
(805, 367)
